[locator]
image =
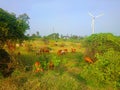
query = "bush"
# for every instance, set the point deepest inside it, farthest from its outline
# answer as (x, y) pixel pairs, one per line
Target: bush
(105, 71)
(104, 48)
(100, 43)
(6, 67)
(44, 60)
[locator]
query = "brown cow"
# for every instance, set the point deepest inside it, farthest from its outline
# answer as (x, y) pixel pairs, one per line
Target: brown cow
(51, 65)
(61, 52)
(38, 67)
(66, 50)
(43, 50)
(88, 59)
(46, 51)
(73, 50)
(37, 64)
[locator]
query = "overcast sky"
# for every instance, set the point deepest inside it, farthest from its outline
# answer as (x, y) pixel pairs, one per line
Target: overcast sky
(67, 16)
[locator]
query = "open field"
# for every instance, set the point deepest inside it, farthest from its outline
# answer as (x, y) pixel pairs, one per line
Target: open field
(62, 54)
(66, 73)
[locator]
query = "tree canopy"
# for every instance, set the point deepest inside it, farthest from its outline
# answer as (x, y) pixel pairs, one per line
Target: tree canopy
(12, 27)
(53, 36)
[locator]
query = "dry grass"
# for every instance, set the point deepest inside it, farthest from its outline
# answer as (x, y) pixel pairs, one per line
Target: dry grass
(66, 76)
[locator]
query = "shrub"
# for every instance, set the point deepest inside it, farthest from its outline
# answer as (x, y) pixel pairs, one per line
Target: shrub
(56, 60)
(105, 71)
(44, 59)
(6, 67)
(100, 43)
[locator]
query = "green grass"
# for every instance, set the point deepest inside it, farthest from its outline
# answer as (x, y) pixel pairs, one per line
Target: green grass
(65, 76)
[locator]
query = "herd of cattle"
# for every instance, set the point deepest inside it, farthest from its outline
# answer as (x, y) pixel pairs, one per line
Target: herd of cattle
(38, 67)
(59, 52)
(62, 52)
(12, 47)
(51, 66)
(43, 50)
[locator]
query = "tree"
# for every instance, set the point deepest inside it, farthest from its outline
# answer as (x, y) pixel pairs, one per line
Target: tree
(37, 33)
(11, 27)
(53, 36)
(22, 25)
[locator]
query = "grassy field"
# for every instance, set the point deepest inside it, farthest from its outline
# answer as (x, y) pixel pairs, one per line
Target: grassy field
(66, 74)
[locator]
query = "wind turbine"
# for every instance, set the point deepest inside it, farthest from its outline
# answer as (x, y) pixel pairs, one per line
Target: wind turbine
(93, 21)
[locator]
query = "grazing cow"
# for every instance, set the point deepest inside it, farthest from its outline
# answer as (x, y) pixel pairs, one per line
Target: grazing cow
(38, 52)
(11, 48)
(51, 65)
(46, 51)
(61, 52)
(43, 50)
(37, 66)
(88, 59)
(73, 50)
(65, 50)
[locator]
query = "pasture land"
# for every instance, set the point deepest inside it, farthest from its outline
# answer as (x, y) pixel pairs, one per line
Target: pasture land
(64, 74)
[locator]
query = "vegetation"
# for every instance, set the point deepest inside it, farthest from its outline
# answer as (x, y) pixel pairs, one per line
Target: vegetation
(38, 63)
(101, 43)
(12, 30)
(12, 27)
(104, 48)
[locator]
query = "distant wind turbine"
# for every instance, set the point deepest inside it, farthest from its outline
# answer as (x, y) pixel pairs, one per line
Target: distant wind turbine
(93, 21)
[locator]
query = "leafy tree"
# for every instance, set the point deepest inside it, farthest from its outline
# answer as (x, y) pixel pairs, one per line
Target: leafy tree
(22, 25)
(74, 37)
(11, 27)
(37, 33)
(53, 36)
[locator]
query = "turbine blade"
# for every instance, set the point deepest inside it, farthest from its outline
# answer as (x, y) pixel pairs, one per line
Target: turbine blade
(90, 14)
(99, 15)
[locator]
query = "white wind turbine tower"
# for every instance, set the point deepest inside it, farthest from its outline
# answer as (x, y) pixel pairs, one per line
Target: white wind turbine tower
(93, 21)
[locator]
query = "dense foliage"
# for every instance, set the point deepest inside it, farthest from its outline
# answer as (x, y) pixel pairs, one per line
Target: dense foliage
(12, 27)
(105, 48)
(100, 43)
